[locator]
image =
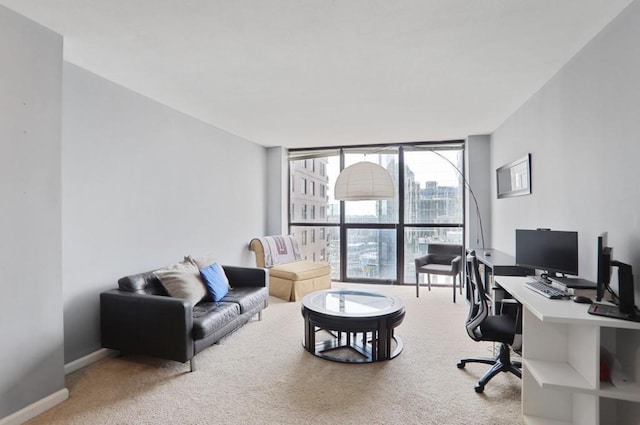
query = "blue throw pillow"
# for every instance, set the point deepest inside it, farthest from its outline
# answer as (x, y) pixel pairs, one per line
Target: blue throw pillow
(214, 278)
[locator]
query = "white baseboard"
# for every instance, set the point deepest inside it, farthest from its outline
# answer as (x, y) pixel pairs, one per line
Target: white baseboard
(42, 405)
(89, 359)
(34, 409)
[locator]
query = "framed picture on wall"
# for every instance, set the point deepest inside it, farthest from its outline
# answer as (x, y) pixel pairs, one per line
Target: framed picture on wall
(514, 178)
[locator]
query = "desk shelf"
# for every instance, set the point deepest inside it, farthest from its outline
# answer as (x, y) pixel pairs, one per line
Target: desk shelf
(631, 393)
(558, 375)
(535, 420)
(561, 356)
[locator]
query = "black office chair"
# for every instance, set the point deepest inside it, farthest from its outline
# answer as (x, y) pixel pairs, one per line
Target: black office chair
(441, 259)
(483, 326)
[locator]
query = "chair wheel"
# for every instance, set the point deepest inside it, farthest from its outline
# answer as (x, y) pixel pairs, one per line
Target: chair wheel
(460, 365)
(479, 388)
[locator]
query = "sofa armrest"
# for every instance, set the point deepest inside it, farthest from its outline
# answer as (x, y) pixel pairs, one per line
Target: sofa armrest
(154, 325)
(247, 276)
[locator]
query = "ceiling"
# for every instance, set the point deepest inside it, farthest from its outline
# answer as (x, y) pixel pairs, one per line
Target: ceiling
(305, 73)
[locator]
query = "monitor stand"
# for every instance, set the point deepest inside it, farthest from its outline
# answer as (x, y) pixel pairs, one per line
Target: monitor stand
(612, 311)
(625, 309)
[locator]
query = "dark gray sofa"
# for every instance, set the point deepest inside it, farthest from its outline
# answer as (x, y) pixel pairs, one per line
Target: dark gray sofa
(140, 318)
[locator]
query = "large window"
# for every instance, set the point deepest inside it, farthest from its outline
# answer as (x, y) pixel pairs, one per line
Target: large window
(433, 202)
(377, 241)
(318, 221)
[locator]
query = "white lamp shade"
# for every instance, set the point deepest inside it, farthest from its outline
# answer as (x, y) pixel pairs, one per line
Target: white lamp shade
(364, 181)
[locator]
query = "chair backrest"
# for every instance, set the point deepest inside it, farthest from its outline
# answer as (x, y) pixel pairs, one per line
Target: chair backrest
(444, 250)
(273, 250)
(478, 300)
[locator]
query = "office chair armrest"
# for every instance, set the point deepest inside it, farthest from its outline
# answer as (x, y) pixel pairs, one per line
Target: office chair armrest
(513, 308)
(511, 301)
(508, 302)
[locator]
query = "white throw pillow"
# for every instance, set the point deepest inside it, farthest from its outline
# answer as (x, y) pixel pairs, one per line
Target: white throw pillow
(182, 280)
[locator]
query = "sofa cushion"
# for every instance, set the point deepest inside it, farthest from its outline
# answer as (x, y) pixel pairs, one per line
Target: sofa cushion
(214, 278)
(208, 317)
(247, 298)
(182, 280)
(300, 270)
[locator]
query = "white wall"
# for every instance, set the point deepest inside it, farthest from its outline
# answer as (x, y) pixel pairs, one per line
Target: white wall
(277, 191)
(31, 354)
(582, 131)
(142, 186)
(478, 220)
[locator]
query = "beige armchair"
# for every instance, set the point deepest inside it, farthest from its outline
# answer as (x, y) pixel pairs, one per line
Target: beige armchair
(290, 277)
(441, 259)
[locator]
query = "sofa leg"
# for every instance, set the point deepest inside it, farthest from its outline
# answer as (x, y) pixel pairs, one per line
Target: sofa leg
(193, 364)
(260, 315)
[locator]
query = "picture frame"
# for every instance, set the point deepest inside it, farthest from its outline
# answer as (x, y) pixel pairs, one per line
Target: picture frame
(514, 178)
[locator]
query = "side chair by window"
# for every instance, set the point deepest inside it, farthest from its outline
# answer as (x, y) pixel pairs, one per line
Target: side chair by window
(483, 326)
(441, 259)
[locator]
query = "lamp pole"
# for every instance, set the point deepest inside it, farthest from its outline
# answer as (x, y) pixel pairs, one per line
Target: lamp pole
(468, 186)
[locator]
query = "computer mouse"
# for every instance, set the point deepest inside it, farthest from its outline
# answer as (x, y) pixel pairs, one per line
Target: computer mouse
(581, 299)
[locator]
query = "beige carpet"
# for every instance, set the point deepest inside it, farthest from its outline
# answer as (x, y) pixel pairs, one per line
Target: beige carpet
(262, 375)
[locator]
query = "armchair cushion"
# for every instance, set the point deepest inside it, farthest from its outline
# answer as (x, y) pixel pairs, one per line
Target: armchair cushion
(441, 269)
(300, 270)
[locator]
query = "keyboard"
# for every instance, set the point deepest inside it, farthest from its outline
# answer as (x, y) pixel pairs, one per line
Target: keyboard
(545, 290)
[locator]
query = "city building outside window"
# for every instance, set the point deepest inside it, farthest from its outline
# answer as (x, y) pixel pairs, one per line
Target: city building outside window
(381, 238)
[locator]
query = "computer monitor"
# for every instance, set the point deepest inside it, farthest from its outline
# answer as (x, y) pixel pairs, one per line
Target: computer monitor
(550, 251)
(604, 259)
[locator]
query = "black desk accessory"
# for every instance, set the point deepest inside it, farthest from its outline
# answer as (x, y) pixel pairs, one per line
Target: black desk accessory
(581, 299)
(612, 311)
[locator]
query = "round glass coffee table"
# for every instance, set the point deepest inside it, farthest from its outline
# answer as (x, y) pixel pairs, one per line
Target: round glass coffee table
(355, 322)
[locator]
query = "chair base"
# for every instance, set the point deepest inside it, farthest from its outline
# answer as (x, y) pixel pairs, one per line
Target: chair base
(501, 363)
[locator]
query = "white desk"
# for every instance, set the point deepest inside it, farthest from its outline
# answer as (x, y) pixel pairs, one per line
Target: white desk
(561, 362)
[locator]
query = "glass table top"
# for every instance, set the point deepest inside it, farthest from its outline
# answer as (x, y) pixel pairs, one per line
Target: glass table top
(351, 303)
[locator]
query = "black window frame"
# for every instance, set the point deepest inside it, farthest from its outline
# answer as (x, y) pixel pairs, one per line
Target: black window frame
(400, 226)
